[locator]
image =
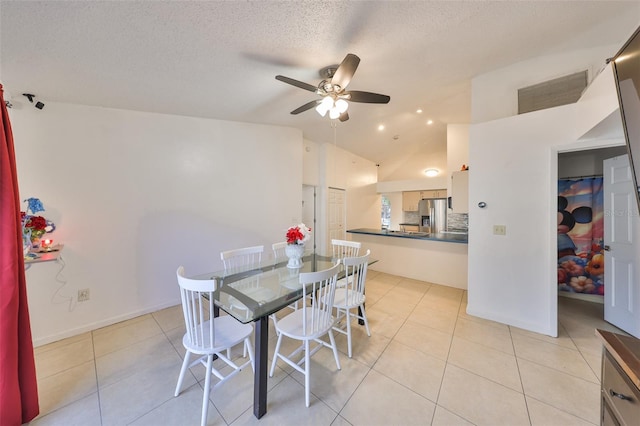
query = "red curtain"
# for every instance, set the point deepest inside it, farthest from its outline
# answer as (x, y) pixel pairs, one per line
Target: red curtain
(18, 386)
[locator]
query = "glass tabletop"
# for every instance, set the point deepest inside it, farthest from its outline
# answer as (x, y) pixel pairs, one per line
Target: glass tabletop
(255, 293)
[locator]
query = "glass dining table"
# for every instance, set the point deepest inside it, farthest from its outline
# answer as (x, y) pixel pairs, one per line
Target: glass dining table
(254, 294)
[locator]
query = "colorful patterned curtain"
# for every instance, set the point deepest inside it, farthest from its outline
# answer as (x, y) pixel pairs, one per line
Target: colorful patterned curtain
(581, 235)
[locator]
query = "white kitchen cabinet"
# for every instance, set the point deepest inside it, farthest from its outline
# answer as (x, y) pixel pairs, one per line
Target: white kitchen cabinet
(434, 193)
(460, 192)
(410, 200)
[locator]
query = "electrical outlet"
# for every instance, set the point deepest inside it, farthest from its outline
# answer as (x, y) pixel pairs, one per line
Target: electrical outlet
(83, 295)
(499, 230)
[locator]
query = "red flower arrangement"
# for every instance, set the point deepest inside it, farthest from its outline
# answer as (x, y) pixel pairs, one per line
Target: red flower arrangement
(298, 234)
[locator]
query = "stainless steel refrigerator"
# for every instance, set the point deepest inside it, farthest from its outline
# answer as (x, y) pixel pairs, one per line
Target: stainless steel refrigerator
(433, 215)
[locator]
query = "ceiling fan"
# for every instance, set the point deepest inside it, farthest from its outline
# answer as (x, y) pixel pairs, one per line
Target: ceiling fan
(334, 97)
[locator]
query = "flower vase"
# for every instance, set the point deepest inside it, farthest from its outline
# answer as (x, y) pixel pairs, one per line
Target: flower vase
(26, 245)
(35, 240)
(294, 252)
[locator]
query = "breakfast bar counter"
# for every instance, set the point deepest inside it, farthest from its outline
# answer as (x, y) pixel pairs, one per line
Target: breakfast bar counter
(447, 236)
(439, 258)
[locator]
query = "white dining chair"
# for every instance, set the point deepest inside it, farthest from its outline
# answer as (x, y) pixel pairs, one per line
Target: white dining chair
(279, 254)
(207, 335)
(242, 259)
(309, 323)
(351, 296)
(343, 248)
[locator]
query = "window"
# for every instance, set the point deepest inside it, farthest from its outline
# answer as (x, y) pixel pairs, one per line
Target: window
(386, 212)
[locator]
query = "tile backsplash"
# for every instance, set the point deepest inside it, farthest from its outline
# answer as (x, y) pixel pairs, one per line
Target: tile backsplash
(458, 222)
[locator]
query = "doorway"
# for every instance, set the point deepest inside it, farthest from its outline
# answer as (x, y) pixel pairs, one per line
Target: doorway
(583, 167)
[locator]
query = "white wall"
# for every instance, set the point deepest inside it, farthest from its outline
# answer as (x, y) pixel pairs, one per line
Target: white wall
(512, 278)
(134, 195)
(357, 176)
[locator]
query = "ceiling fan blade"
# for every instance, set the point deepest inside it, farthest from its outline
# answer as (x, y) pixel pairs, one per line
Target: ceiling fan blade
(367, 97)
(306, 106)
(344, 116)
(345, 71)
(300, 84)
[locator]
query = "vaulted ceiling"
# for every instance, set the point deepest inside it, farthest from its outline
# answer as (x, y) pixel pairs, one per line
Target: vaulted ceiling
(218, 59)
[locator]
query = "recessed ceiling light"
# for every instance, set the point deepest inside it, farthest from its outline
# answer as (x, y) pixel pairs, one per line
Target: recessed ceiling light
(429, 122)
(381, 127)
(431, 172)
(396, 137)
(419, 111)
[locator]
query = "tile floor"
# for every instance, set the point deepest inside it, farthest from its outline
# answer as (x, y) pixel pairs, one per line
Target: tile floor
(426, 362)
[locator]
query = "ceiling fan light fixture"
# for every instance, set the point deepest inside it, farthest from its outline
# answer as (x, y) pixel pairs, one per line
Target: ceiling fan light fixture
(325, 105)
(334, 113)
(341, 105)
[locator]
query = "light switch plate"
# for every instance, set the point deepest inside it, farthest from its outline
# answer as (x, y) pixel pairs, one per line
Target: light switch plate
(499, 230)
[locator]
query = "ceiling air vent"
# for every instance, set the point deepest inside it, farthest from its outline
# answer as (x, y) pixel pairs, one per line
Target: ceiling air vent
(559, 91)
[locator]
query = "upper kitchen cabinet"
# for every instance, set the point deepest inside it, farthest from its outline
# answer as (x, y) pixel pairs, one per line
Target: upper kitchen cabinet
(434, 193)
(410, 200)
(460, 192)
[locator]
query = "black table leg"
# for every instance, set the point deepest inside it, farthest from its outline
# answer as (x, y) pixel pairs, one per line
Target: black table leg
(360, 321)
(261, 359)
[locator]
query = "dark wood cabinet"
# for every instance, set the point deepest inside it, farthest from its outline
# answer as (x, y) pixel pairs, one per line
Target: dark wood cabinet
(620, 385)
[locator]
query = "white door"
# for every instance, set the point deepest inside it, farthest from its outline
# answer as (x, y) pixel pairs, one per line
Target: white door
(622, 285)
(337, 215)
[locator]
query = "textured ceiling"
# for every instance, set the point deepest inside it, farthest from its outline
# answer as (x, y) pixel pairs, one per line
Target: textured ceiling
(218, 59)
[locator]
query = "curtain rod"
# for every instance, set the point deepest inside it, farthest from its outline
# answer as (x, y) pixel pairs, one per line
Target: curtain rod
(581, 177)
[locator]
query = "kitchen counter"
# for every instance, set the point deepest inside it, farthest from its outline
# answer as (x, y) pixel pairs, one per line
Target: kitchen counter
(447, 237)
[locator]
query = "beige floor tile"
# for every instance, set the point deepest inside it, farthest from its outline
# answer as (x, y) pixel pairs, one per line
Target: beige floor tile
(443, 417)
(334, 387)
(68, 386)
(413, 288)
(340, 421)
(397, 304)
(563, 338)
(595, 363)
(569, 361)
(484, 361)
(542, 414)
(365, 349)
(127, 333)
(383, 322)
(235, 396)
(563, 391)
(488, 335)
(385, 278)
(186, 409)
(462, 313)
(382, 401)
(286, 406)
(63, 357)
(169, 318)
(137, 394)
(60, 343)
(439, 303)
(480, 400)
(425, 339)
(586, 341)
(84, 412)
(145, 356)
(413, 369)
(434, 318)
